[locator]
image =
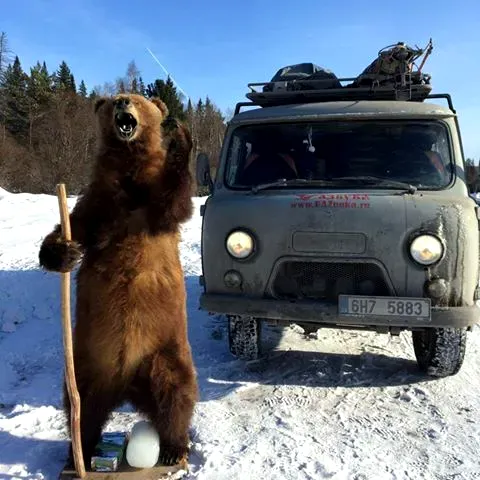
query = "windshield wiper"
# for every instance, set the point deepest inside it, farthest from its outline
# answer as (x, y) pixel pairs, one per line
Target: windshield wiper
(371, 180)
(283, 182)
(378, 181)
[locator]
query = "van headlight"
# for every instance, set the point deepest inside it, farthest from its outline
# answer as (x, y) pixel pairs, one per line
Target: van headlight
(239, 244)
(426, 249)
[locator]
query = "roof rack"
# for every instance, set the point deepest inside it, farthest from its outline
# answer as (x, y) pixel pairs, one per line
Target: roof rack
(239, 105)
(382, 87)
(445, 96)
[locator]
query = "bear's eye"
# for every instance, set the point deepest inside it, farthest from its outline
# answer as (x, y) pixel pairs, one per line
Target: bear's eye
(121, 102)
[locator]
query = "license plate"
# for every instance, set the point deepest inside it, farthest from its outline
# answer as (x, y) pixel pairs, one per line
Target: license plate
(414, 308)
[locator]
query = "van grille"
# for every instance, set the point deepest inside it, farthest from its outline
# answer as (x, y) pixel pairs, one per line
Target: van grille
(326, 280)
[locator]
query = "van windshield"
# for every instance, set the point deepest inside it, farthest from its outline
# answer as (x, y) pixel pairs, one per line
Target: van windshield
(340, 154)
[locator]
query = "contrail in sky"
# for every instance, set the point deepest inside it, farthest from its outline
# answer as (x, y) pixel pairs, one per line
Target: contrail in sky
(166, 73)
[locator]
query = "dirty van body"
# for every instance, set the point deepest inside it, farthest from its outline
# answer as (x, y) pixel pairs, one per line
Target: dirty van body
(367, 223)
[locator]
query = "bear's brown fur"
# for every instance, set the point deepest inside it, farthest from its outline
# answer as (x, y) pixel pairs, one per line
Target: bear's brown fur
(130, 337)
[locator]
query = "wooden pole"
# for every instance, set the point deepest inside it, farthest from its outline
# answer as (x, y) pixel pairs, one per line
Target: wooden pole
(68, 344)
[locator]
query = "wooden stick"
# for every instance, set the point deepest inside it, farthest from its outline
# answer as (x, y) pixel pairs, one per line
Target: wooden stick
(68, 344)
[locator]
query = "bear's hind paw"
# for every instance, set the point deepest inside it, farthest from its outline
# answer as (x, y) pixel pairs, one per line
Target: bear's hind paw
(172, 455)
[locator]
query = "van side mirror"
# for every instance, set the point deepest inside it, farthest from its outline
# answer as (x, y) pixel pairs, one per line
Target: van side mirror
(204, 178)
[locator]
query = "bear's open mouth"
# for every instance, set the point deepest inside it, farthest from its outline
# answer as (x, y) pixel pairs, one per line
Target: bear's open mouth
(126, 124)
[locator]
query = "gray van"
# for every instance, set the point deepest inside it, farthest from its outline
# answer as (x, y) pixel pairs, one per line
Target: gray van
(343, 207)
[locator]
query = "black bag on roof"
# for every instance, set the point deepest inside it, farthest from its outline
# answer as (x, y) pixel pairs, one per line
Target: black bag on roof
(302, 76)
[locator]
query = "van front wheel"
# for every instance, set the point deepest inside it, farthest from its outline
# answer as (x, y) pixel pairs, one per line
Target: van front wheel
(440, 351)
(244, 337)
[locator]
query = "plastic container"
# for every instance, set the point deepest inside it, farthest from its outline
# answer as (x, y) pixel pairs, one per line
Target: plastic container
(143, 447)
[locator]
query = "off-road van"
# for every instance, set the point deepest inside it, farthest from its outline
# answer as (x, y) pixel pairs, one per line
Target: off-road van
(343, 206)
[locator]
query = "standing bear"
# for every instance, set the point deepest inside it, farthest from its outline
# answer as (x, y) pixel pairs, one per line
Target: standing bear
(130, 337)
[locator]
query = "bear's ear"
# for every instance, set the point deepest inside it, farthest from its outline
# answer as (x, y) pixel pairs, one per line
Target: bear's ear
(161, 106)
(98, 103)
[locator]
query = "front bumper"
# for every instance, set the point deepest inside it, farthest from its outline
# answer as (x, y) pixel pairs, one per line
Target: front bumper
(327, 314)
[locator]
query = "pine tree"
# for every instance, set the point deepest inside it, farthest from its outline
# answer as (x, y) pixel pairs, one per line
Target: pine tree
(209, 110)
(63, 78)
(73, 87)
(38, 96)
(167, 92)
(192, 124)
(134, 86)
(14, 93)
(200, 108)
(82, 89)
(38, 84)
(141, 86)
(47, 77)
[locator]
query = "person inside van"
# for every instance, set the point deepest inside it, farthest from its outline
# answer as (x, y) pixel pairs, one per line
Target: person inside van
(269, 160)
(417, 162)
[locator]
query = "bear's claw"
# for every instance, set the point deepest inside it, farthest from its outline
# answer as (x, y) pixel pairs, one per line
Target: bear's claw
(172, 455)
(170, 124)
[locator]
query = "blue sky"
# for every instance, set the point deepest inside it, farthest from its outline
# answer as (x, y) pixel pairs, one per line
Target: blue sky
(217, 47)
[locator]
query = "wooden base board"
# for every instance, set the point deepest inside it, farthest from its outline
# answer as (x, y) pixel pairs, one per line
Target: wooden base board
(125, 472)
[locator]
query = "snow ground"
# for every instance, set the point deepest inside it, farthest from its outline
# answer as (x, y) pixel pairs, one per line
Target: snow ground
(343, 406)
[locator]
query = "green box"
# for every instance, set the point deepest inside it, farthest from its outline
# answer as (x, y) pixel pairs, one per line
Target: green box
(109, 452)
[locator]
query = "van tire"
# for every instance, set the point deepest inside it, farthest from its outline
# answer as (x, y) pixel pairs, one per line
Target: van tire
(440, 351)
(244, 337)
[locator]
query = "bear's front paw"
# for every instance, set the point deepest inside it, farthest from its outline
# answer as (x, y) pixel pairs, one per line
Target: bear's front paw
(59, 255)
(170, 124)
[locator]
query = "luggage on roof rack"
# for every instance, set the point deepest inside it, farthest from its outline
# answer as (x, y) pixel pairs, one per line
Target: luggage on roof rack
(394, 66)
(302, 76)
(389, 77)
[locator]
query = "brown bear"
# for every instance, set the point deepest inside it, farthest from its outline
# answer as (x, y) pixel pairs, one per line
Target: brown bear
(130, 335)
